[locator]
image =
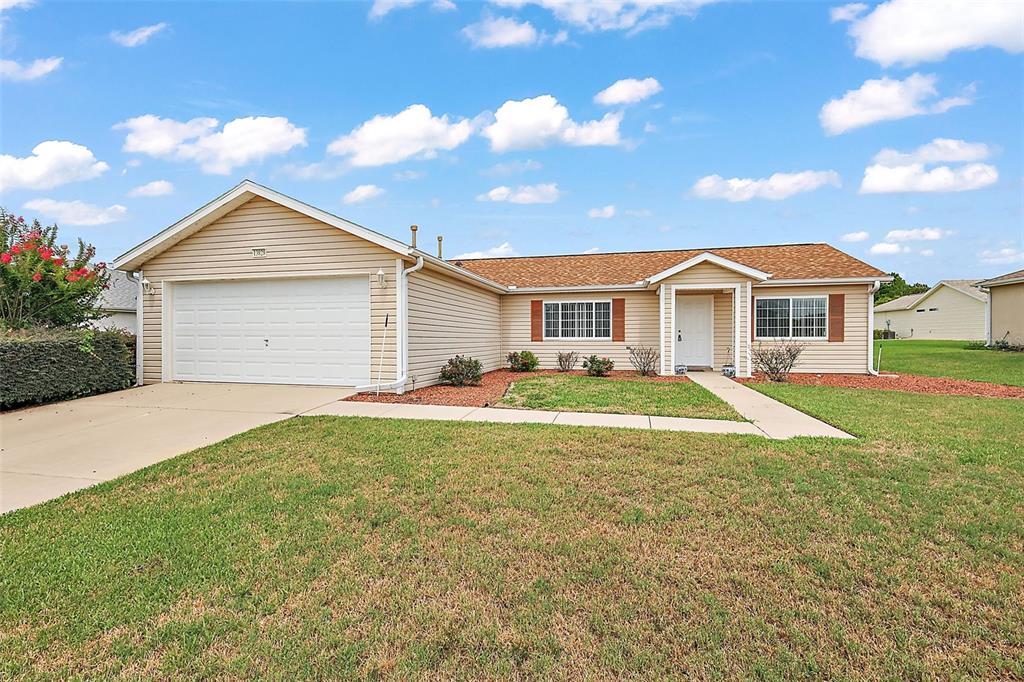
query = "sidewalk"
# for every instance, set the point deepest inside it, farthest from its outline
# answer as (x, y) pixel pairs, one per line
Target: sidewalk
(791, 427)
(769, 415)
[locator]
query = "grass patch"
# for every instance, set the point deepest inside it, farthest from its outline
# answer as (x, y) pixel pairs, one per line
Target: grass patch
(952, 359)
(343, 547)
(574, 393)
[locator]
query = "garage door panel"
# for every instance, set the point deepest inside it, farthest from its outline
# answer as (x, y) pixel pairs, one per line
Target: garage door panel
(275, 331)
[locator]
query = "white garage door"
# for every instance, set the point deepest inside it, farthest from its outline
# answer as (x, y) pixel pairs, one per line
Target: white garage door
(297, 331)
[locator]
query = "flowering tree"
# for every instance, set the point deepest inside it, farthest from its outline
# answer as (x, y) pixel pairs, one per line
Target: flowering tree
(40, 283)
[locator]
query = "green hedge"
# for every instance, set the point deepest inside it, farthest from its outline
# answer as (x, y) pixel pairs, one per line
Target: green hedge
(44, 366)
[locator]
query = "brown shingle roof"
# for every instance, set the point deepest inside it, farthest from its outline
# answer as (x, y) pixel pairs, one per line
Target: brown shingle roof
(785, 261)
(1003, 279)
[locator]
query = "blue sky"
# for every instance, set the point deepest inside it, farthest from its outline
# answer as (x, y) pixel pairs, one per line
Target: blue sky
(897, 126)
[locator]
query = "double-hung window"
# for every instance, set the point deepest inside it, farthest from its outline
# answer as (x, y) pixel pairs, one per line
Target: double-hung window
(578, 320)
(795, 317)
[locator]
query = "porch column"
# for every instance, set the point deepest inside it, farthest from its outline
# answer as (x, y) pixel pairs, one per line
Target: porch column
(661, 326)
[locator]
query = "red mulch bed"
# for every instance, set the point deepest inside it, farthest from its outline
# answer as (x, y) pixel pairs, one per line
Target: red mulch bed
(910, 383)
(492, 388)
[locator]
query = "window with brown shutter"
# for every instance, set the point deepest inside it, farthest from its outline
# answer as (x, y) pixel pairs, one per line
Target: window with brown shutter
(836, 317)
(618, 319)
(536, 320)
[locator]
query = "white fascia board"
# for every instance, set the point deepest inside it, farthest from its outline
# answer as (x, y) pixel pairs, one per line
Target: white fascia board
(456, 271)
(824, 281)
(989, 283)
(708, 257)
(234, 197)
(640, 286)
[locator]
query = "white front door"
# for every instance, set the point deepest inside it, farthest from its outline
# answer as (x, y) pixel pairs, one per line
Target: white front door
(694, 330)
(274, 331)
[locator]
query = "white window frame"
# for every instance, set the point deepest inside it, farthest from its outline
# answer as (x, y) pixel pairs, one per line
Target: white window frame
(790, 337)
(544, 320)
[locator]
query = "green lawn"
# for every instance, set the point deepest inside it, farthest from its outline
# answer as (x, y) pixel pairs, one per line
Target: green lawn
(953, 359)
(338, 547)
(575, 393)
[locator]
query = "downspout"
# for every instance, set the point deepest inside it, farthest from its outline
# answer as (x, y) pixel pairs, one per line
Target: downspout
(871, 326)
(403, 329)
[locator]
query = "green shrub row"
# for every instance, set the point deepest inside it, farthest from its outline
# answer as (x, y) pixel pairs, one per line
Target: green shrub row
(45, 366)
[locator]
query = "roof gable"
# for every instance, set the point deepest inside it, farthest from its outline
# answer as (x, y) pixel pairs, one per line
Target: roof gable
(1008, 278)
(708, 257)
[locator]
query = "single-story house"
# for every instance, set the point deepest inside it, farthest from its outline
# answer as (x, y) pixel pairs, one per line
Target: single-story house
(1005, 308)
(258, 287)
(119, 301)
(953, 309)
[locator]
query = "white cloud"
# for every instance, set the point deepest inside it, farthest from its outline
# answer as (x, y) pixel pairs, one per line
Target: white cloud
(494, 32)
(592, 249)
(381, 8)
(362, 193)
(650, 127)
(412, 133)
(611, 15)
(777, 186)
(886, 99)
(406, 175)
(1003, 256)
(52, 163)
(139, 36)
(927, 253)
(628, 91)
(547, 193)
(512, 167)
(603, 212)
(847, 12)
(638, 212)
(860, 236)
(239, 142)
(157, 188)
(887, 249)
(895, 171)
(911, 31)
(937, 151)
(541, 121)
(15, 4)
(503, 250)
(76, 212)
(11, 70)
(920, 234)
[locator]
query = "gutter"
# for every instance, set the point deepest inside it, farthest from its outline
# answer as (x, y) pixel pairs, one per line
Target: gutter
(403, 331)
(871, 326)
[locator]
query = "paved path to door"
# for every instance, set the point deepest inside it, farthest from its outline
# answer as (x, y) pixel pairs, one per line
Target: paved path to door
(50, 450)
(769, 415)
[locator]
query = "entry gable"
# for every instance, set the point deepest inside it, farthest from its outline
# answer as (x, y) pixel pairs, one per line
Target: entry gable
(708, 257)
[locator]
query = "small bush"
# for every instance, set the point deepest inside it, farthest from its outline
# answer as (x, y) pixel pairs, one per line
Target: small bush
(644, 359)
(567, 361)
(777, 360)
(461, 371)
(523, 361)
(598, 367)
(46, 365)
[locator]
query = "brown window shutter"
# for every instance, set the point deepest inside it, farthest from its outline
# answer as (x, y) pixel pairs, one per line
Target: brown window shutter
(536, 320)
(836, 316)
(618, 319)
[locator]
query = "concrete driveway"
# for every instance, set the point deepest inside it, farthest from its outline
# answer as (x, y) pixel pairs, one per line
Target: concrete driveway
(51, 450)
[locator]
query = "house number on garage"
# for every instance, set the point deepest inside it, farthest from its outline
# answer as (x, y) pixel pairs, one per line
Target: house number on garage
(259, 253)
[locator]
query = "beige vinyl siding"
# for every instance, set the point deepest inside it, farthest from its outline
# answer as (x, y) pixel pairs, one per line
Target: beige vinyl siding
(1008, 313)
(956, 316)
(448, 317)
(713, 279)
(641, 327)
(849, 356)
(296, 245)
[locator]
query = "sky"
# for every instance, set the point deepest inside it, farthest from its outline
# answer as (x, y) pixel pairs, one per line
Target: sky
(894, 131)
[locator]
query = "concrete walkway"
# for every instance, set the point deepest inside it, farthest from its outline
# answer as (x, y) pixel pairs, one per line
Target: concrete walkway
(769, 415)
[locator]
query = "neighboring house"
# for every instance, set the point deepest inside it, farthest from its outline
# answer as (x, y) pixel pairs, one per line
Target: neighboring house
(952, 309)
(119, 301)
(258, 287)
(1006, 308)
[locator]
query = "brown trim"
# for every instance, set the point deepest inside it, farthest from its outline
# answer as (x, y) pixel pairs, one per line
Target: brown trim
(618, 319)
(536, 320)
(837, 317)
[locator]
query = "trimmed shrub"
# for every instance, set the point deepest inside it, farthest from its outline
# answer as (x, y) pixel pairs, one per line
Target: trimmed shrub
(567, 361)
(777, 360)
(644, 359)
(523, 361)
(461, 371)
(46, 365)
(598, 367)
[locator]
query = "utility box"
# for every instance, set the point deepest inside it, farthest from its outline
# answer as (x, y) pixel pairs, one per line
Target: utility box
(680, 369)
